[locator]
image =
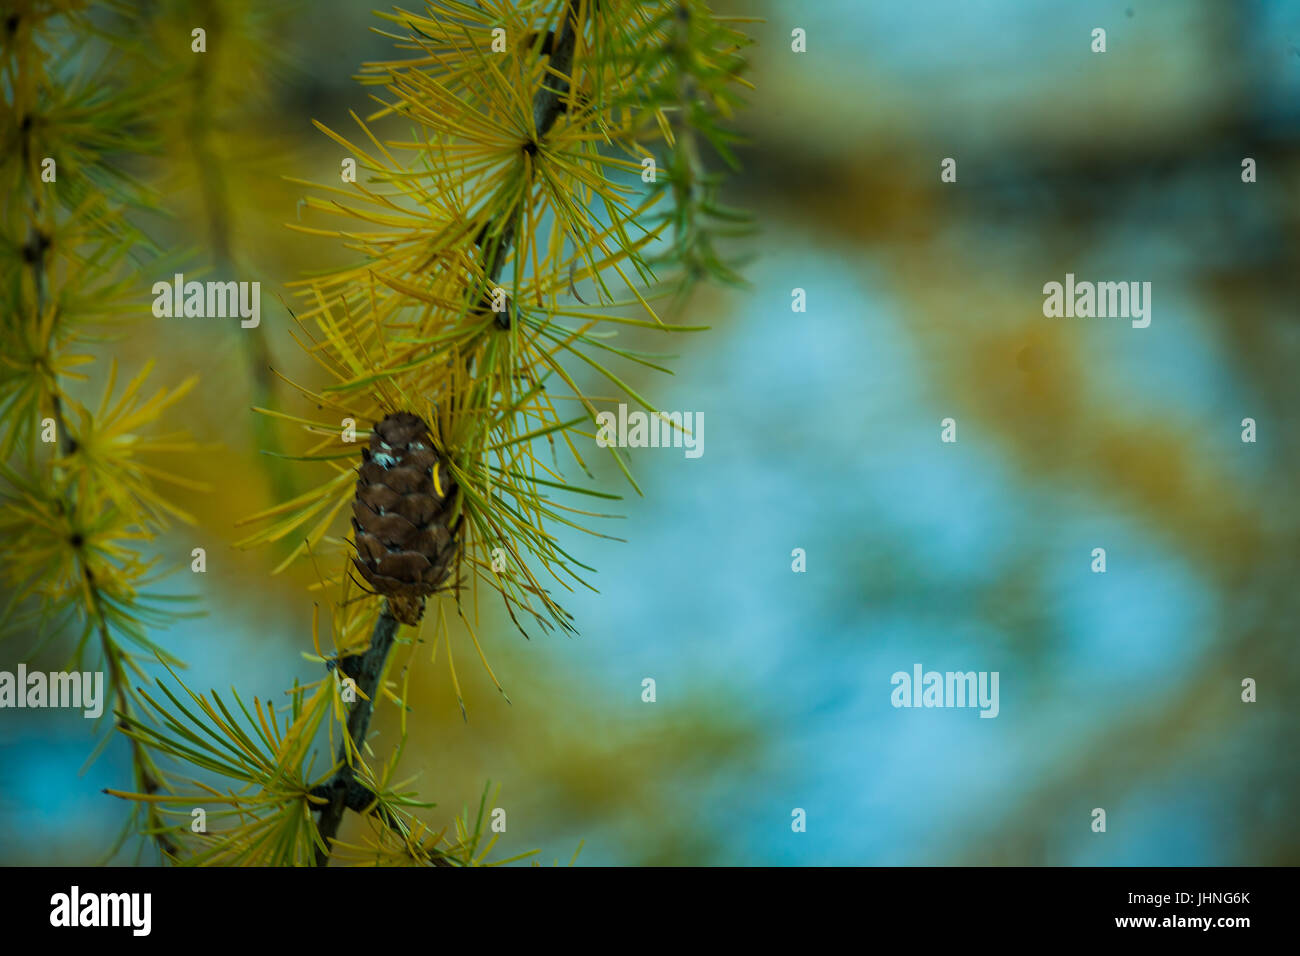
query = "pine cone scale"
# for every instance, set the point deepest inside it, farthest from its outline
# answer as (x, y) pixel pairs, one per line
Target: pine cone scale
(404, 499)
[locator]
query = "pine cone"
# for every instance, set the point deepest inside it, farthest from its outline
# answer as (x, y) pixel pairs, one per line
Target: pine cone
(405, 545)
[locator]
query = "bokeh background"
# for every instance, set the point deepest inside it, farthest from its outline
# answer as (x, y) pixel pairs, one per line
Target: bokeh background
(1119, 690)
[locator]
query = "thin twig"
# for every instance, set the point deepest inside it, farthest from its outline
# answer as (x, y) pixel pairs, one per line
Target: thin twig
(548, 104)
(147, 775)
(36, 253)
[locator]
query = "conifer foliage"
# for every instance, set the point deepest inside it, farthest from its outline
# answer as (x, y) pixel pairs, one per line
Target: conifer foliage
(542, 149)
(534, 178)
(83, 449)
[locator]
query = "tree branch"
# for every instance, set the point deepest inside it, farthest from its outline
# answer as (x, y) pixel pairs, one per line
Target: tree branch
(365, 670)
(548, 104)
(342, 790)
(35, 254)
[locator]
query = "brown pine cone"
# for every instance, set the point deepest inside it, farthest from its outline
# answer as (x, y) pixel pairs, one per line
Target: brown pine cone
(405, 545)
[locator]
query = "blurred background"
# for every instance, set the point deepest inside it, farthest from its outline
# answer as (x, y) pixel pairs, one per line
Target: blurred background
(1119, 690)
